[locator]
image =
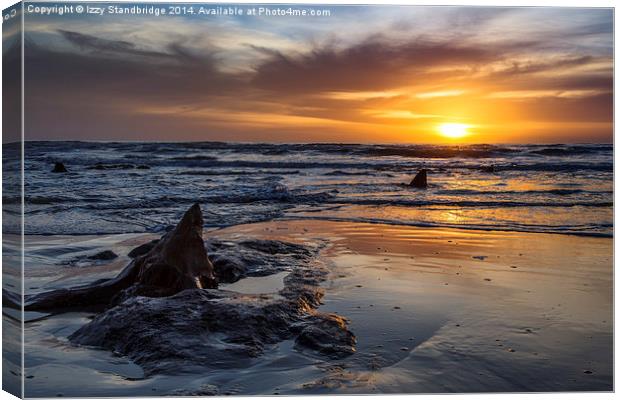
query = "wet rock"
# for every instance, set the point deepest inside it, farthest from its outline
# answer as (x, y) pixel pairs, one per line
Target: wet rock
(328, 336)
(276, 247)
(228, 269)
(219, 328)
(143, 249)
(420, 180)
(59, 168)
(93, 259)
(254, 257)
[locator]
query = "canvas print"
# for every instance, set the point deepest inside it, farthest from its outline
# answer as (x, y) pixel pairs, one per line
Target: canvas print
(274, 199)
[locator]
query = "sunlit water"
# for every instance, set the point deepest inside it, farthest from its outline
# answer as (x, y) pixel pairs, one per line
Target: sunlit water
(433, 311)
(437, 320)
(143, 187)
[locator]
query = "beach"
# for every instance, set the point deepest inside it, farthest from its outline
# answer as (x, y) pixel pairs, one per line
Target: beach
(432, 309)
(333, 273)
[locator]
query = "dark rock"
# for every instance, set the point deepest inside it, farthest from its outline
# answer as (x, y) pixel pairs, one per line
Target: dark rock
(143, 249)
(255, 257)
(487, 168)
(420, 180)
(275, 247)
(103, 256)
(329, 336)
(59, 167)
(228, 269)
(92, 259)
(217, 328)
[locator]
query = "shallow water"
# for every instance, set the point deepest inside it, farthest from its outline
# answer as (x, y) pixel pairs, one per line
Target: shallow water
(143, 187)
(258, 284)
(434, 310)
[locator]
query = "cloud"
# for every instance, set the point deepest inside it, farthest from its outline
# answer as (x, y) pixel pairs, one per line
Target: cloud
(374, 64)
(89, 42)
(80, 83)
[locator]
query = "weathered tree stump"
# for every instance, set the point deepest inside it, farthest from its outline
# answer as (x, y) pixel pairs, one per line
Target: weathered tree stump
(177, 262)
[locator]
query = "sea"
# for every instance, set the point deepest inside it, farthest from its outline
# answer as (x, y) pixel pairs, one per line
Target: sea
(433, 310)
(138, 187)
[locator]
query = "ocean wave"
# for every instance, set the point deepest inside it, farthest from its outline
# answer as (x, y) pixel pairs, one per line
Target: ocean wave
(478, 151)
(250, 182)
(567, 151)
(274, 193)
(218, 172)
(393, 166)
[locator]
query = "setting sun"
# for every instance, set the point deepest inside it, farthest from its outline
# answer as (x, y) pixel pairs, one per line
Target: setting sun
(453, 131)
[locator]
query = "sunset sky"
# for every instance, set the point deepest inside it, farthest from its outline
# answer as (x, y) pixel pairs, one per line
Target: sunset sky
(363, 74)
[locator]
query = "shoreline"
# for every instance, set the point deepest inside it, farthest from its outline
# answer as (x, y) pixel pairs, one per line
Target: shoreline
(422, 302)
(344, 220)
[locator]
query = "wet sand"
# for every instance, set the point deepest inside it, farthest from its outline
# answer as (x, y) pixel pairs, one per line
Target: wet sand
(434, 310)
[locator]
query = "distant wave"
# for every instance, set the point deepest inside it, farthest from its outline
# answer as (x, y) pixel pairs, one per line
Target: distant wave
(381, 166)
(141, 187)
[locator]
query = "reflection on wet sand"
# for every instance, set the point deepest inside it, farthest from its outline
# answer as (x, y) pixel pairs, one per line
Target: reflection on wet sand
(433, 310)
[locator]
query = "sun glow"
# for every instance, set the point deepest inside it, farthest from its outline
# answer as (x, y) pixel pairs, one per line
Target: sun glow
(453, 130)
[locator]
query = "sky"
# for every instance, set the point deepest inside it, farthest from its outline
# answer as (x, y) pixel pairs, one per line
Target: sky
(383, 74)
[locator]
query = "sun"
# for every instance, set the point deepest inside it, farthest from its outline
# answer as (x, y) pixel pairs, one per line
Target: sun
(453, 130)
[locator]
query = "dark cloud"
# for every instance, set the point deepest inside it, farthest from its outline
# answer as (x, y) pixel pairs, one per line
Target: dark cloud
(540, 66)
(593, 108)
(178, 76)
(370, 65)
(11, 88)
(176, 51)
(89, 42)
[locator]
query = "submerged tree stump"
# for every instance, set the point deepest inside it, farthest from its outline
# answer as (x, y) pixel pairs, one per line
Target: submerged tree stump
(420, 180)
(59, 168)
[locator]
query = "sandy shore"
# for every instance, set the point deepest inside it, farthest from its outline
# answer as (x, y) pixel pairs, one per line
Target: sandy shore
(434, 310)
(456, 310)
